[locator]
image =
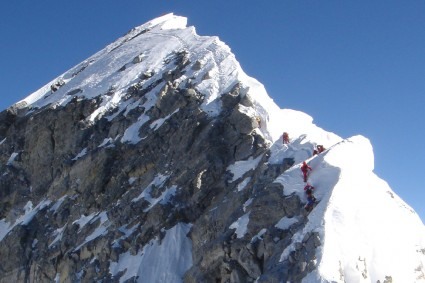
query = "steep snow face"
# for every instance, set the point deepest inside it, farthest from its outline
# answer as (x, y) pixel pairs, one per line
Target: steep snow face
(159, 261)
(368, 233)
(304, 136)
(146, 54)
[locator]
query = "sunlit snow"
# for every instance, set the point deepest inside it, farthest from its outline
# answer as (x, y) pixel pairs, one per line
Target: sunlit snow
(367, 232)
(239, 168)
(159, 261)
(356, 217)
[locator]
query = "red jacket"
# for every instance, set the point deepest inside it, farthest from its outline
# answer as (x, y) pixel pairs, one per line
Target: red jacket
(305, 167)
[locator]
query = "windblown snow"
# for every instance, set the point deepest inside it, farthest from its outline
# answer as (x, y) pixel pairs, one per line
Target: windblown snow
(367, 231)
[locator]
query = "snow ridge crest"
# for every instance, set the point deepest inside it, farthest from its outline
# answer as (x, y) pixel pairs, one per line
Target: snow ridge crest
(159, 149)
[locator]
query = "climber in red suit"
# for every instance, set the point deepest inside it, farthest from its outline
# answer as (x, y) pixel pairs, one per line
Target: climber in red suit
(304, 169)
(285, 138)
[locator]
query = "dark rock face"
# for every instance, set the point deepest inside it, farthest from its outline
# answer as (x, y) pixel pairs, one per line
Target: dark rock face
(58, 168)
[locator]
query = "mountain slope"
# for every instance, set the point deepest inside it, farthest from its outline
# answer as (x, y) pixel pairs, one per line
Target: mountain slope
(159, 159)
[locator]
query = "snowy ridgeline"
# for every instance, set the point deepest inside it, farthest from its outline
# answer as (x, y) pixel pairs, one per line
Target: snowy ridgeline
(364, 226)
(367, 232)
(142, 57)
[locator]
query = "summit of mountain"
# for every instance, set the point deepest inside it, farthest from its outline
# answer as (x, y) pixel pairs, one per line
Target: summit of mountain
(158, 159)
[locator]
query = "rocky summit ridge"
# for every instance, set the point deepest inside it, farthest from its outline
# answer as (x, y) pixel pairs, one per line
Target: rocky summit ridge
(158, 159)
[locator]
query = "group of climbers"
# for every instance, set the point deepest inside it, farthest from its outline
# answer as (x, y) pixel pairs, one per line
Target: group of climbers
(308, 188)
(305, 169)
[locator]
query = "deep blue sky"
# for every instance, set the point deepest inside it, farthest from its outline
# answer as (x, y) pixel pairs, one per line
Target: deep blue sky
(357, 67)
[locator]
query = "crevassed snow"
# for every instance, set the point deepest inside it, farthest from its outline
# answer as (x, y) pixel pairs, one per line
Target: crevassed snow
(159, 261)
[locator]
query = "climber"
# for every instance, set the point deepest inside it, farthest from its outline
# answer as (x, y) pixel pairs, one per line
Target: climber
(319, 149)
(311, 200)
(304, 169)
(308, 189)
(285, 138)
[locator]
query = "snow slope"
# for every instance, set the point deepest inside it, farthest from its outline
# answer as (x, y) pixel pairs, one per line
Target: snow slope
(159, 261)
(151, 48)
(367, 231)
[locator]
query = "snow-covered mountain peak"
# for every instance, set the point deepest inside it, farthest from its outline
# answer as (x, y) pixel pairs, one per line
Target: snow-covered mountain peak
(147, 54)
(158, 159)
(168, 21)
